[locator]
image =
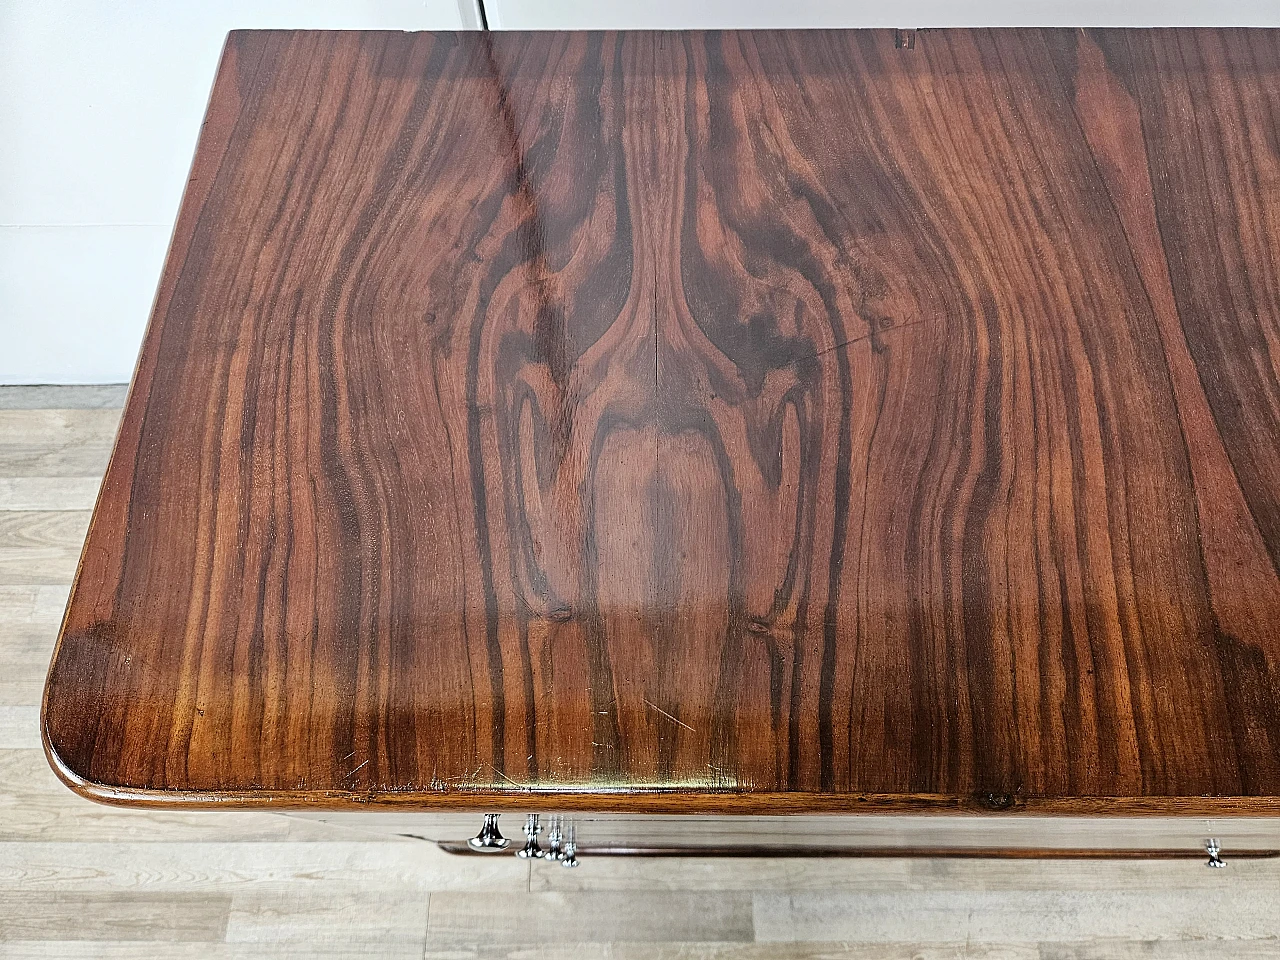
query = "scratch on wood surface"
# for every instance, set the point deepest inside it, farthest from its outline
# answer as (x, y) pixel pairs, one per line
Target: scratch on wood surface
(358, 769)
(506, 778)
(669, 716)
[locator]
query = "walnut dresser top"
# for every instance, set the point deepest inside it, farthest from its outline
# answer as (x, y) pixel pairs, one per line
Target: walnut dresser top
(752, 422)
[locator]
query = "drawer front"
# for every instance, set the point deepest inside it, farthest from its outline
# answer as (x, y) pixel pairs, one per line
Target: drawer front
(852, 835)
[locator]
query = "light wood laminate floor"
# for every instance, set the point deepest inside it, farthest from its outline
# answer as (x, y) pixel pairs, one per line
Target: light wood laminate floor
(81, 880)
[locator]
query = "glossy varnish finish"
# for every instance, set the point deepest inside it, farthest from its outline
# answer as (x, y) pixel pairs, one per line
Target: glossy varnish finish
(727, 421)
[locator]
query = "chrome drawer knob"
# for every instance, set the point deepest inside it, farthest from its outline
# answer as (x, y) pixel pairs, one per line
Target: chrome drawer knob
(570, 858)
(554, 838)
(1214, 850)
(531, 850)
(489, 839)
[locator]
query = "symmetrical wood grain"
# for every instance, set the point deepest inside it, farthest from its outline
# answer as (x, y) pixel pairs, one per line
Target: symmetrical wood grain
(717, 421)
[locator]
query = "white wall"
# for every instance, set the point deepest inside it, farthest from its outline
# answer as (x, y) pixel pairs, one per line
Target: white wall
(665, 14)
(100, 104)
(101, 100)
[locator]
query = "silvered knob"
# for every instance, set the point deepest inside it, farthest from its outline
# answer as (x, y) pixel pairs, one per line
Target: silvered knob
(570, 858)
(489, 839)
(531, 850)
(554, 836)
(1214, 849)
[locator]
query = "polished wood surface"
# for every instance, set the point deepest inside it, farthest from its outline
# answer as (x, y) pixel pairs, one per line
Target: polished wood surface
(723, 422)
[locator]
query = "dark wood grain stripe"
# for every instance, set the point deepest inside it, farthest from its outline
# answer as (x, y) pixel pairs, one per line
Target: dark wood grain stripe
(770, 420)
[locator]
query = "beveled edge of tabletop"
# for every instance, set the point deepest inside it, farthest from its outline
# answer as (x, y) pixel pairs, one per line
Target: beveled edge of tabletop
(675, 801)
